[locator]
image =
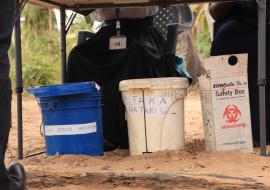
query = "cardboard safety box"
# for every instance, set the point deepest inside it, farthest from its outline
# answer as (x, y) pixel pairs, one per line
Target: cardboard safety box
(225, 104)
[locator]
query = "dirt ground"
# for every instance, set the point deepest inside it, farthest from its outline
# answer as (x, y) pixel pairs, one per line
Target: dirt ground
(189, 169)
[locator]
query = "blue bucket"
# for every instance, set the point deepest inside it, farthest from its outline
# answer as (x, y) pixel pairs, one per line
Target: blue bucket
(72, 118)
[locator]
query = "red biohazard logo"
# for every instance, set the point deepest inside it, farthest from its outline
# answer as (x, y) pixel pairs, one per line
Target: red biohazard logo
(232, 114)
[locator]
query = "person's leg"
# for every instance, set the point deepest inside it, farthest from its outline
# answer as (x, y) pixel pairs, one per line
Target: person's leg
(5, 120)
(6, 23)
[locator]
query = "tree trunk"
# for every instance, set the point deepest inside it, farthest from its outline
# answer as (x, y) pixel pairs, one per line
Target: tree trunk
(50, 20)
(193, 62)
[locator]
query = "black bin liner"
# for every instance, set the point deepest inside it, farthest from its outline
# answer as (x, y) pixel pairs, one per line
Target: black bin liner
(143, 58)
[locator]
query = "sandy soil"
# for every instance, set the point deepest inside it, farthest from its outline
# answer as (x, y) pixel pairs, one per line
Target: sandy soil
(191, 169)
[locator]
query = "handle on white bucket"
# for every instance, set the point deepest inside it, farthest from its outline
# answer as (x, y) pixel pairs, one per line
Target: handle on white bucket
(144, 86)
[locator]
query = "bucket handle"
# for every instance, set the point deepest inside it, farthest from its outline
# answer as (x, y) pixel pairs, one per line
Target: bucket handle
(145, 86)
(49, 106)
(153, 87)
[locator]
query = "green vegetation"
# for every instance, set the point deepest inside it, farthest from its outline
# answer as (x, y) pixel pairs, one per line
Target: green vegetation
(202, 43)
(41, 47)
(200, 32)
(41, 60)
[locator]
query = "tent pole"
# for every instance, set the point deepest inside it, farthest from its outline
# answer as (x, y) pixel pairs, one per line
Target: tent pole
(19, 88)
(63, 43)
(262, 81)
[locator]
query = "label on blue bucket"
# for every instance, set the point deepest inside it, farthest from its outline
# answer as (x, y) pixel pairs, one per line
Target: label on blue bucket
(75, 129)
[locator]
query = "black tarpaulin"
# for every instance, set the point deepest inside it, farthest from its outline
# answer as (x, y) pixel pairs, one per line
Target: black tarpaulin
(144, 57)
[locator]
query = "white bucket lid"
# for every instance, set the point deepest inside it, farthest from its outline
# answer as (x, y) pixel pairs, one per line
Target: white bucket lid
(154, 83)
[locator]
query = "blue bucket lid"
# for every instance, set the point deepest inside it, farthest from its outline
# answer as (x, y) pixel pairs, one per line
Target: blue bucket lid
(64, 89)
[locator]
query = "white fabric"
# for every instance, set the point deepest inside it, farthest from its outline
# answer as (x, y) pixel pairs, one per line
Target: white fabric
(101, 15)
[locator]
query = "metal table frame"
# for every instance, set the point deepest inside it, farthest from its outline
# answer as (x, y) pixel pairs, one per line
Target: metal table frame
(64, 29)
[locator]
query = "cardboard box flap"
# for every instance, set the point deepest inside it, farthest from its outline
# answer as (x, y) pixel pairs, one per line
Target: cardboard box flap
(221, 66)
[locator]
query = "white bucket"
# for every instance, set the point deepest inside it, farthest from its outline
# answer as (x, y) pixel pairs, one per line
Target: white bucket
(155, 113)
